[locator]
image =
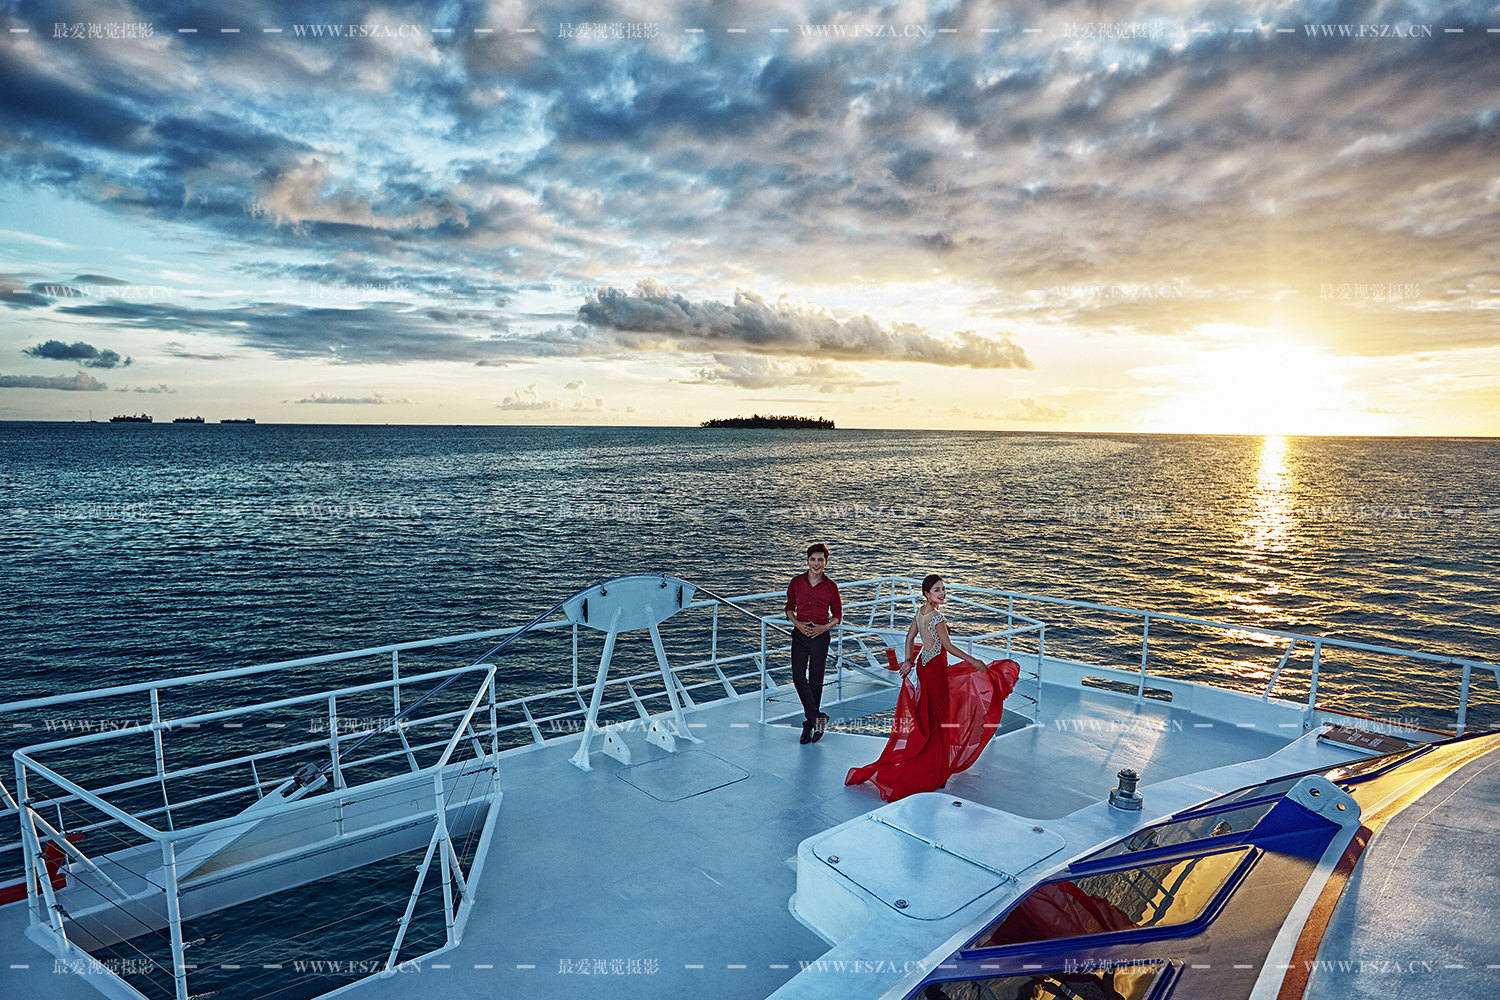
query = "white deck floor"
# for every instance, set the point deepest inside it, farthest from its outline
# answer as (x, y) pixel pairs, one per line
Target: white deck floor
(690, 897)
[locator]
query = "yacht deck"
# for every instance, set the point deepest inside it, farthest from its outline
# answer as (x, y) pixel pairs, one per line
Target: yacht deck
(595, 887)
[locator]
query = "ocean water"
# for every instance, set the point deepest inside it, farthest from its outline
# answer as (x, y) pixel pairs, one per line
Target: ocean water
(137, 551)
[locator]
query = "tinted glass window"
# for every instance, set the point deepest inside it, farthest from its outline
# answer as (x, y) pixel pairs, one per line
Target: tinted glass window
(1124, 982)
(1344, 772)
(1185, 831)
(1159, 895)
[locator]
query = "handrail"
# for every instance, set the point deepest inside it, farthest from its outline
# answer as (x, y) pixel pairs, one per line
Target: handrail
(181, 680)
(760, 667)
(1318, 643)
(1210, 623)
(192, 721)
(535, 622)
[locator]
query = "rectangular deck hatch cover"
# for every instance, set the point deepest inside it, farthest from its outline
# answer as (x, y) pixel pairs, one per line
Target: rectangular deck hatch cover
(928, 858)
(681, 775)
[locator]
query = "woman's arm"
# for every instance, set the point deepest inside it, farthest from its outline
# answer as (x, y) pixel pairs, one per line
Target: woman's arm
(942, 634)
(911, 635)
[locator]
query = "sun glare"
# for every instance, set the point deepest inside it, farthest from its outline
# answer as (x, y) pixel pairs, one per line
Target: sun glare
(1268, 388)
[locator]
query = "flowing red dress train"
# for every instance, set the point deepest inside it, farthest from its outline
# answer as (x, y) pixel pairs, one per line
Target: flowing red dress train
(941, 729)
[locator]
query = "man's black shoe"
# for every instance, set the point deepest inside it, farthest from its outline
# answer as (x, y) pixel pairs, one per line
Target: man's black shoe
(819, 726)
(807, 736)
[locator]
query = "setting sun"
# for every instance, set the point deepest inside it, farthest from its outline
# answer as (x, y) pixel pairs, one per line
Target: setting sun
(1275, 387)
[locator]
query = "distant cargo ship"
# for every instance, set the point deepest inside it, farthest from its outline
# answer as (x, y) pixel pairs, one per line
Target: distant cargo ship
(246, 420)
(125, 418)
(187, 420)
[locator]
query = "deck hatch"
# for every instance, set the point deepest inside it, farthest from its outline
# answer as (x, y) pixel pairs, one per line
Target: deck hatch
(928, 856)
(682, 775)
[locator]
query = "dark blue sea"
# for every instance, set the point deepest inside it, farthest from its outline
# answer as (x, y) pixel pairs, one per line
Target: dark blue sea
(136, 551)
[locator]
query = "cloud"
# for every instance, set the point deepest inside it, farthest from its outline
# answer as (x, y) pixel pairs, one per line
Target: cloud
(374, 399)
(307, 193)
(980, 165)
(750, 323)
(46, 241)
(76, 383)
(755, 372)
(18, 295)
(391, 333)
(161, 389)
(89, 355)
(527, 399)
(530, 398)
(1031, 411)
(176, 350)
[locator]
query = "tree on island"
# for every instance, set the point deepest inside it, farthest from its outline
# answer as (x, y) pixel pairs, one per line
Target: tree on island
(778, 422)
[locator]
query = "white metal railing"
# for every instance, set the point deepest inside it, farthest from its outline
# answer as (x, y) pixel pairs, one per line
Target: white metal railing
(845, 662)
(1318, 643)
(48, 915)
(761, 667)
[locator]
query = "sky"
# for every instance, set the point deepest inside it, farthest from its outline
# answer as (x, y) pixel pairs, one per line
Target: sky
(1178, 217)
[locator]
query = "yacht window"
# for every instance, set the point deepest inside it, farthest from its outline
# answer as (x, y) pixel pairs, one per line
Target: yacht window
(1343, 772)
(1120, 982)
(1157, 895)
(1187, 830)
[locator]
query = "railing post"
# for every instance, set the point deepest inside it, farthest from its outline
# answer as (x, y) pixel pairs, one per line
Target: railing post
(1463, 702)
(445, 847)
(838, 670)
(494, 728)
(333, 740)
(30, 845)
(1041, 647)
(1140, 691)
(174, 919)
(161, 753)
(1312, 691)
(396, 682)
(1010, 622)
(765, 671)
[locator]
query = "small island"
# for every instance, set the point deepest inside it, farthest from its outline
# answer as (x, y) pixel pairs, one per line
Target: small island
(778, 422)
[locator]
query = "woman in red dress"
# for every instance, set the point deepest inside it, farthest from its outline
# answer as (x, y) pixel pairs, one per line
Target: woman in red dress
(940, 729)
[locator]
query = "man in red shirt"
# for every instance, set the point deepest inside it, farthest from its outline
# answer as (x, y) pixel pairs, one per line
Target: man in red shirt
(814, 608)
